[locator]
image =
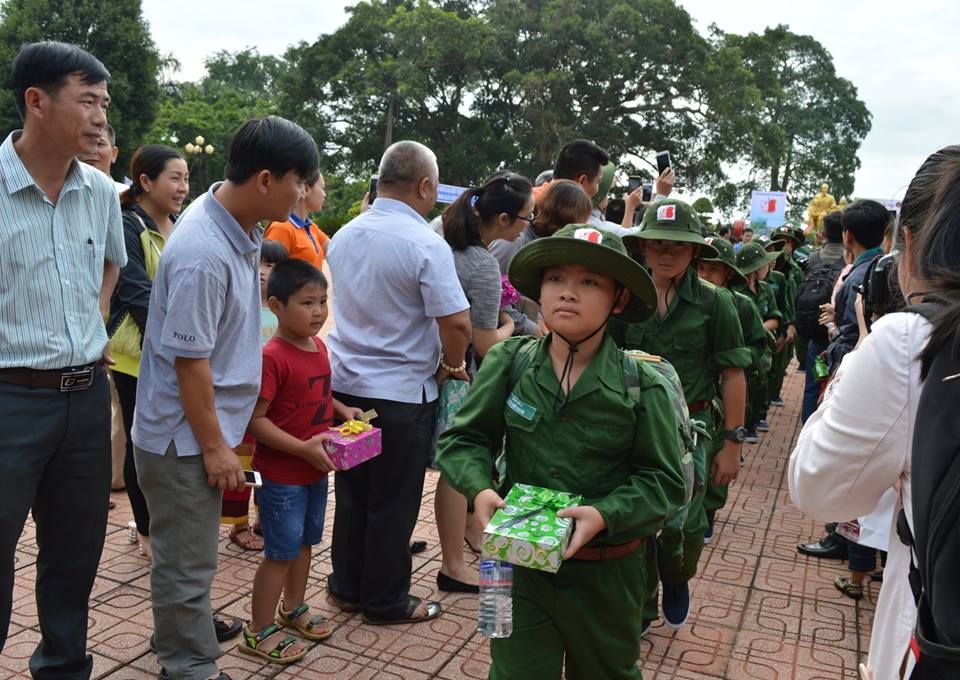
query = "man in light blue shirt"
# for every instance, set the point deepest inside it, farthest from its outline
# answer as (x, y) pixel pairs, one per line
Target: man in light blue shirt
(199, 381)
(400, 313)
(61, 238)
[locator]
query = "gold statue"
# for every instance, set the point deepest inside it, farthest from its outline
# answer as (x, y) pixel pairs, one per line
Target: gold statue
(840, 206)
(821, 204)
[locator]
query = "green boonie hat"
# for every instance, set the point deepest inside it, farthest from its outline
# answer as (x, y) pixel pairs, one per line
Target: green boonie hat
(786, 232)
(606, 181)
(670, 220)
(726, 255)
(586, 245)
(753, 256)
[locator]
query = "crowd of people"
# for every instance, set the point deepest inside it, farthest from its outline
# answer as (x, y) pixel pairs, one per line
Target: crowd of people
(532, 334)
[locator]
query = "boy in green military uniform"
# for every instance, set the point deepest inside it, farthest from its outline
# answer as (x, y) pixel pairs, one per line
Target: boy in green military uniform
(697, 330)
(792, 265)
(784, 282)
(571, 423)
(722, 272)
(753, 262)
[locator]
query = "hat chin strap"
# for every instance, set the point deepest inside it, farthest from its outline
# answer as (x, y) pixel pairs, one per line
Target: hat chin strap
(562, 396)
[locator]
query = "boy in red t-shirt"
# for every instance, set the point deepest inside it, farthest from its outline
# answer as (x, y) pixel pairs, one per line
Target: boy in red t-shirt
(290, 423)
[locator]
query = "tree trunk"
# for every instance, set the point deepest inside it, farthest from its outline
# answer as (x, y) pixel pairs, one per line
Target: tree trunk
(388, 136)
(775, 176)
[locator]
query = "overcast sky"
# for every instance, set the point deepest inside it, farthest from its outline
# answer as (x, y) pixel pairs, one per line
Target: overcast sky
(902, 57)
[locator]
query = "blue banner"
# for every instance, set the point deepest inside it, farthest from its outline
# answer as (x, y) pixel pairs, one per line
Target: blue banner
(768, 210)
(447, 193)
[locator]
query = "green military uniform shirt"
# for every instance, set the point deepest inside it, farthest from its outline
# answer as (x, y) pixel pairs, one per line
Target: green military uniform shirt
(786, 296)
(623, 458)
(764, 299)
(757, 338)
(698, 348)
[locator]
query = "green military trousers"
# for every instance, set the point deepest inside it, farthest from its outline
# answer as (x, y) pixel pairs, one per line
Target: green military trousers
(589, 615)
(779, 371)
(676, 552)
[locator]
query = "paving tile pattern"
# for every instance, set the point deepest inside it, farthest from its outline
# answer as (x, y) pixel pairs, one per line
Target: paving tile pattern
(760, 610)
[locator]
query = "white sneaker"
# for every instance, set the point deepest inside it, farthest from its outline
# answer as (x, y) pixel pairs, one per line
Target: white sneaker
(132, 532)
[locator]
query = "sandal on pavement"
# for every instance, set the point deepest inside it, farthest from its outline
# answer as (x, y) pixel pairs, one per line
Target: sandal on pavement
(417, 611)
(342, 605)
(315, 627)
(245, 538)
(848, 588)
(251, 644)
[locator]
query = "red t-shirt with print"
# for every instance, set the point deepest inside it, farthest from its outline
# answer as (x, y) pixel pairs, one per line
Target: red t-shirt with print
(297, 383)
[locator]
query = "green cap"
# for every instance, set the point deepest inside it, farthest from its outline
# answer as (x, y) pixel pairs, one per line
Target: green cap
(753, 256)
(726, 255)
(787, 232)
(670, 220)
(606, 181)
(586, 245)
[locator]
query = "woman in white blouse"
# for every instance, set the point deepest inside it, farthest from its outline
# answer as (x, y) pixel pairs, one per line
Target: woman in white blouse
(858, 443)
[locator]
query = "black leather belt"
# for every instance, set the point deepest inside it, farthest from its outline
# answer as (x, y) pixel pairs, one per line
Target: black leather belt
(71, 379)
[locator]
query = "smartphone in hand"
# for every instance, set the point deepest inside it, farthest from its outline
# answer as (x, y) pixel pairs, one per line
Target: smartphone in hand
(372, 191)
(633, 183)
(647, 193)
(252, 478)
(663, 161)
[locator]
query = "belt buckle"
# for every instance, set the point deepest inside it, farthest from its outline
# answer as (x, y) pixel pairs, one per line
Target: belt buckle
(76, 380)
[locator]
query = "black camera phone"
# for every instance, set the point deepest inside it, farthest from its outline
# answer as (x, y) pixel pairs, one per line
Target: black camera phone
(633, 183)
(372, 191)
(647, 193)
(663, 161)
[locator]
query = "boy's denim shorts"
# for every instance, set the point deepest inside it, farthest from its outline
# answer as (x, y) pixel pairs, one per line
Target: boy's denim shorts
(291, 516)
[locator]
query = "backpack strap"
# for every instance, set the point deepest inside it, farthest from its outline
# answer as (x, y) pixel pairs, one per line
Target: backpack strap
(708, 300)
(521, 362)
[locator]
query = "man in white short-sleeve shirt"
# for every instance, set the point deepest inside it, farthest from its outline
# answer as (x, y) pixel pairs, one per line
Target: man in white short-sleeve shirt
(400, 314)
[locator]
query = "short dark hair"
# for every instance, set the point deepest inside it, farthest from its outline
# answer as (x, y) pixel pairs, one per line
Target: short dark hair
(867, 221)
(833, 227)
(616, 210)
(291, 275)
(273, 252)
(724, 231)
(746, 229)
(271, 143)
(47, 65)
(579, 157)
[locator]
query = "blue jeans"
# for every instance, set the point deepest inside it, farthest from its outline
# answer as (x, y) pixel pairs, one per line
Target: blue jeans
(291, 516)
(811, 388)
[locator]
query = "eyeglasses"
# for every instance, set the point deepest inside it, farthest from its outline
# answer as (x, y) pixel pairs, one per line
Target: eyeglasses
(529, 218)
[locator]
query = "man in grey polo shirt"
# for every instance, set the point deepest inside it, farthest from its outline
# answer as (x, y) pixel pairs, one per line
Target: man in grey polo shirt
(60, 237)
(400, 314)
(200, 376)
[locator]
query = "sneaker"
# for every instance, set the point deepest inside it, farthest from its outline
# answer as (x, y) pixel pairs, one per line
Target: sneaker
(752, 437)
(763, 426)
(676, 605)
(708, 534)
(132, 532)
(777, 401)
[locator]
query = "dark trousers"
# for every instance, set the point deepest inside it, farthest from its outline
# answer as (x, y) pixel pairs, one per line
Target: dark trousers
(55, 459)
(811, 388)
(376, 510)
(127, 394)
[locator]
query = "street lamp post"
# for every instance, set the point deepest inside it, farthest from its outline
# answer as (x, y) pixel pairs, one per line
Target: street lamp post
(199, 153)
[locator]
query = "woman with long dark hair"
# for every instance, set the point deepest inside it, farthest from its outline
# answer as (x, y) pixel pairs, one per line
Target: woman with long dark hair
(500, 208)
(858, 444)
(150, 206)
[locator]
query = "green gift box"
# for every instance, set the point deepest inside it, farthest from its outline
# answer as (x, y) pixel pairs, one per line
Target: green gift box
(528, 532)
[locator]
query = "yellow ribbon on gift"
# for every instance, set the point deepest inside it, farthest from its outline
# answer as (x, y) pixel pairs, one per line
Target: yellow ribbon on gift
(357, 426)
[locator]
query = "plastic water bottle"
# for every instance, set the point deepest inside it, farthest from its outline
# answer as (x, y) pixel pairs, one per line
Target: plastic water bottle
(495, 619)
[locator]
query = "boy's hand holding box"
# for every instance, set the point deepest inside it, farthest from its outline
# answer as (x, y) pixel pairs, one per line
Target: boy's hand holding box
(354, 442)
(528, 532)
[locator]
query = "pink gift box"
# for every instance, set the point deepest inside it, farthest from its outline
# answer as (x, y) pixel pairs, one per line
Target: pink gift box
(350, 450)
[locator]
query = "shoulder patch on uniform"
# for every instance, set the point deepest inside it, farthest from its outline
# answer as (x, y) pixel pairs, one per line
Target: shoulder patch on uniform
(521, 408)
(643, 356)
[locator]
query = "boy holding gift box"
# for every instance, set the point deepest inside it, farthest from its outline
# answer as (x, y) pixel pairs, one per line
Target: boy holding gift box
(291, 424)
(571, 425)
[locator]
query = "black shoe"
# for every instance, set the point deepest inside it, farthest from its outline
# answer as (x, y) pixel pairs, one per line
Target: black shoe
(417, 547)
(227, 629)
(828, 547)
(448, 584)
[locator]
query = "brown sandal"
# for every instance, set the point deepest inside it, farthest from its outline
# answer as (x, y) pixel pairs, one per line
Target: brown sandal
(250, 644)
(243, 536)
(848, 588)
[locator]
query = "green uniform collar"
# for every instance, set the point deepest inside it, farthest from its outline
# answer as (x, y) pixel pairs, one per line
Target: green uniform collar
(599, 370)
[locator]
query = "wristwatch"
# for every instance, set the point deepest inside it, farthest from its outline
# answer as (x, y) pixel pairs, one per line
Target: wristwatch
(738, 434)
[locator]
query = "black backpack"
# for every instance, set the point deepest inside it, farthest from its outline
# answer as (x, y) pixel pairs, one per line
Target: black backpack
(816, 290)
(935, 538)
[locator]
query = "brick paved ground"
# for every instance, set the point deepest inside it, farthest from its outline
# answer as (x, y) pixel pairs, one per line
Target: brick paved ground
(760, 609)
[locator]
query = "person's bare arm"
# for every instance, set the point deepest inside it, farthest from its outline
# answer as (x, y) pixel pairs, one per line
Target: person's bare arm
(485, 338)
(455, 334)
(266, 432)
(195, 382)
